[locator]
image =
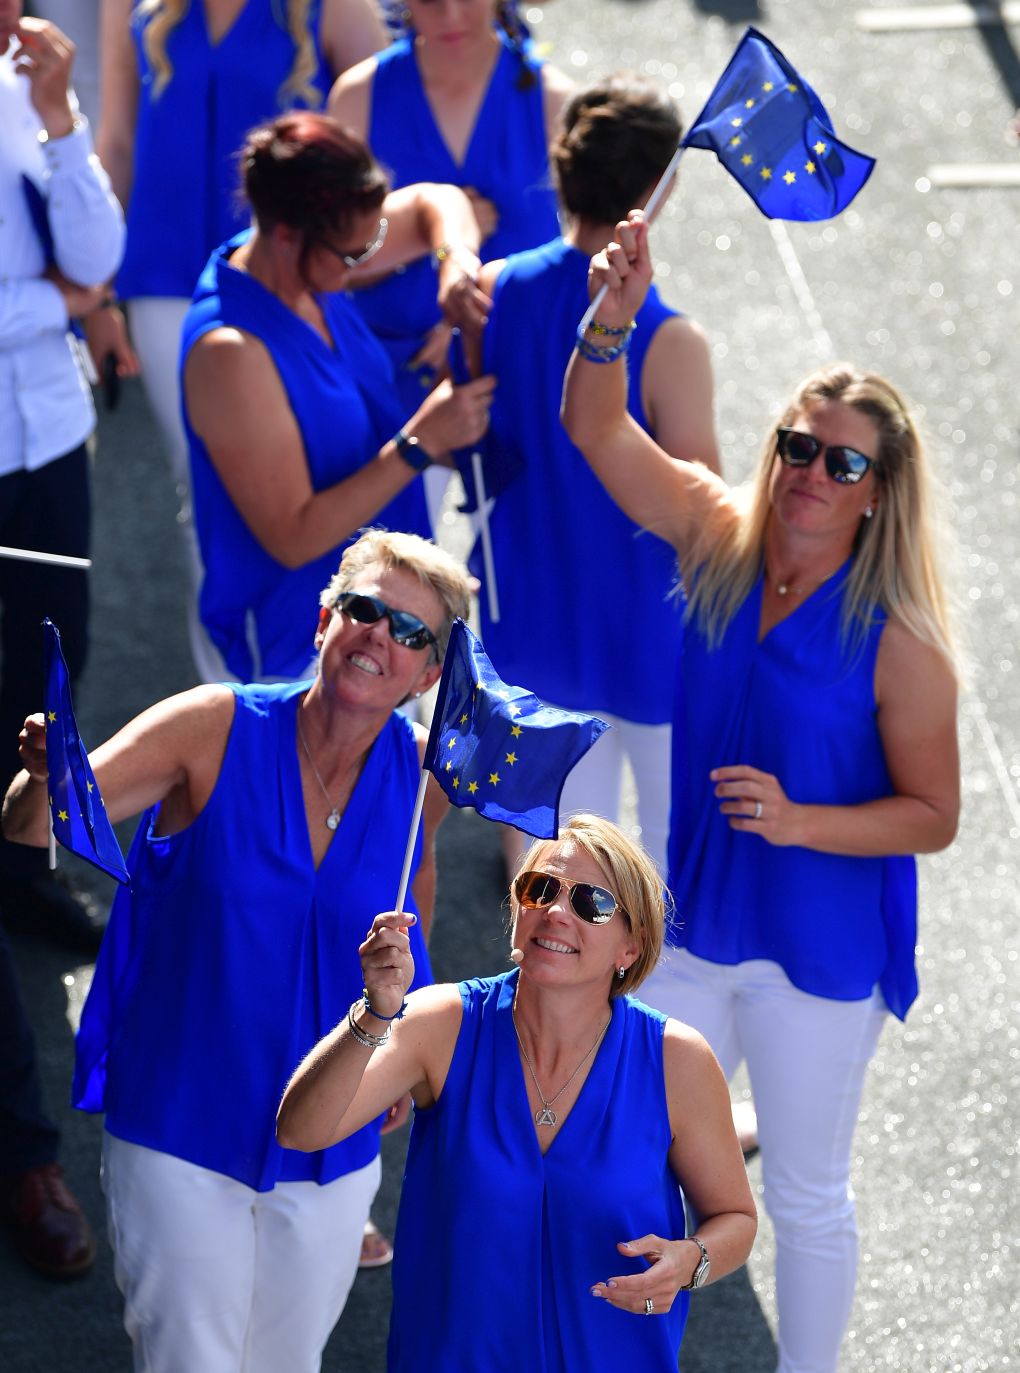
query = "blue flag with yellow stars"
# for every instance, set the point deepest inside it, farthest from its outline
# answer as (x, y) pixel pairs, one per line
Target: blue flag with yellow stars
(771, 132)
(76, 807)
(498, 748)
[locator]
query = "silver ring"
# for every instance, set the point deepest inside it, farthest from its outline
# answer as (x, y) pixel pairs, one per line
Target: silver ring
(649, 1306)
(757, 810)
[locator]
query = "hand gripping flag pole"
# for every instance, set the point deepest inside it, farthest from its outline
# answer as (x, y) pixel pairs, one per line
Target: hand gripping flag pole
(774, 136)
(497, 748)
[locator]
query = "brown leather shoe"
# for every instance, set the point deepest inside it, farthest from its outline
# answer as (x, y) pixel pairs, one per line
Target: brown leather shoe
(50, 1229)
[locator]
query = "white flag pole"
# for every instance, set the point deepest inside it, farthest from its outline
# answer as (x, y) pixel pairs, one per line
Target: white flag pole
(52, 846)
(651, 210)
(31, 555)
(419, 803)
(491, 589)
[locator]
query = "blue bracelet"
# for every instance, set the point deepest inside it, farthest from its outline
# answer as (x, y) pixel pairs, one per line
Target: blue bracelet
(591, 353)
(368, 1007)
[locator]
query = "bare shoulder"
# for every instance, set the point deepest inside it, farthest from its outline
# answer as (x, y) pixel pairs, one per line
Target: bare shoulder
(688, 1061)
(490, 274)
(432, 1021)
(906, 666)
(557, 88)
(351, 96)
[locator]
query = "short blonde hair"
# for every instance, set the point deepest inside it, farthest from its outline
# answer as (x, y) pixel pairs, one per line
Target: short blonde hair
(634, 880)
(434, 568)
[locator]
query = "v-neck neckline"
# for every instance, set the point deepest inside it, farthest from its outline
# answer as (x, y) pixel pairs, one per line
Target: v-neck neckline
(831, 584)
(295, 764)
(581, 1102)
(487, 95)
(229, 31)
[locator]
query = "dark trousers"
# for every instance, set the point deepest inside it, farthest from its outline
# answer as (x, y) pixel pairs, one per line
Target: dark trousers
(48, 510)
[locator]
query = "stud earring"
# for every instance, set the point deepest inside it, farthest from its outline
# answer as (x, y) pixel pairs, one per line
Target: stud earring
(620, 973)
(868, 512)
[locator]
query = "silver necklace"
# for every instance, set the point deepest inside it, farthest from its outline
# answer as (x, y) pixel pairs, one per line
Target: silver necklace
(333, 818)
(547, 1116)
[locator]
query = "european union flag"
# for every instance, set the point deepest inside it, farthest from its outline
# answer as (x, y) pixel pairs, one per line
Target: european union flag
(771, 132)
(79, 816)
(501, 463)
(499, 748)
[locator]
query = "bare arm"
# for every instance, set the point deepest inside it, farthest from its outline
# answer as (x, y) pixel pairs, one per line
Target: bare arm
(342, 1085)
(172, 752)
(677, 392)
(350, 100)
(706, 1159)
(685, 504)
(916, 694)
(238, 406)
(119, 85)
(350, 31)
(557, 89)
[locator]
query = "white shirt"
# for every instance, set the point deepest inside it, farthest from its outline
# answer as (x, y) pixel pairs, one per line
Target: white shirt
(45, 401)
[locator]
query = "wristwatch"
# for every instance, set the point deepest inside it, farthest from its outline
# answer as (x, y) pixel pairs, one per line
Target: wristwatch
(411, 450)
(700, 1275)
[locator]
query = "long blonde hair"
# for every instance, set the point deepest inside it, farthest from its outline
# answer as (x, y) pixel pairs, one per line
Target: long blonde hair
(163, 16)
(898, 557)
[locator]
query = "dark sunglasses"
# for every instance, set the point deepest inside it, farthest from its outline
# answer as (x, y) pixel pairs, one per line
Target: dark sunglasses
(366, 254)
(594, 905)
(844, 465)
(405, 629)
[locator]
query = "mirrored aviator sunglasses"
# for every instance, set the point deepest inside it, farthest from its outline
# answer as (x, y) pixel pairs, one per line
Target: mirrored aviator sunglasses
(405, 629)
(594, 905)
(844, 465)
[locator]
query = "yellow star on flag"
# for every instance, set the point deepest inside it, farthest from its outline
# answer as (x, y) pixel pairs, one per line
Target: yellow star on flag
(52, 717)
(768, 85)
(820, 147)
(791, 87)
(456, 783)
(736, 122)
(513, 711)
(493, 778)
(748, 104)
(766, 173)
(747, 159)
(809, 167)
(464, 718)
(789, 178)
(472, 787)
(516, 731)
(89, 785)
(451, 741)
(449, 766)
(735, 141)
(61, 814)
(511, 758)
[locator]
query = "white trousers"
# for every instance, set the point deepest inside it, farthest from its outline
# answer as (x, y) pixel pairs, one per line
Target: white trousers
(806, 1057)
(156, 323)
(596, 783)
(218, 1278)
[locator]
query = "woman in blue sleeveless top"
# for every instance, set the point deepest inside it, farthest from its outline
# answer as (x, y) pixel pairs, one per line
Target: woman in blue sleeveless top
(459, 99)
(814, 752)
(182, 83)
(555, 1115)
(276, 823)
(571, 569)
(295, 433)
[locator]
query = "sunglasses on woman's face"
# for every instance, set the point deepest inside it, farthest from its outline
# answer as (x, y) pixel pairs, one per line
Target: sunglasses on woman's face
(844, 465)
(405, 629)
(366, 254)
(594, 905)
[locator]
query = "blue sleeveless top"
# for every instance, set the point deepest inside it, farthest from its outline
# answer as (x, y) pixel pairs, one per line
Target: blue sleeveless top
(183, 196)
(506, 160)
(798, 706)
(262, 615)
(230, 956)
(521, 1299)
(586, 619)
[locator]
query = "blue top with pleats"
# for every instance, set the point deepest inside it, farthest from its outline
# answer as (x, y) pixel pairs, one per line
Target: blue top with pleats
(261, 615)
(586, 617)
(800, 705)
(185, 176)
(506, 160)
(550, 1223)
(230, 955)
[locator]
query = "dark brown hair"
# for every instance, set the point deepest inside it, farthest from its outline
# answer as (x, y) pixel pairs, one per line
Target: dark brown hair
(307, 171)
(615, 142)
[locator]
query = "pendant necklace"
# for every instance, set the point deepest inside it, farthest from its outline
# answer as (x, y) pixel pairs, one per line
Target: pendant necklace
(547, 1116)
(333, 818)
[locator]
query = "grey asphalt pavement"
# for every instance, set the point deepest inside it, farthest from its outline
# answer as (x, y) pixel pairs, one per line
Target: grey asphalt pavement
(919, 283)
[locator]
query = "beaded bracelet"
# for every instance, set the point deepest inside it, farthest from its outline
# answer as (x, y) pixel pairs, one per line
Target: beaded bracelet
(598, 328)
(591, 353)
(372, 1011)
(370, 1041)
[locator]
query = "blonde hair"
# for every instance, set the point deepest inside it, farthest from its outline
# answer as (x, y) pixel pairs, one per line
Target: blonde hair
(898, 558)
(434, 568)
(633, 878)
(163, 16)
